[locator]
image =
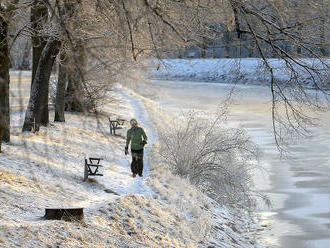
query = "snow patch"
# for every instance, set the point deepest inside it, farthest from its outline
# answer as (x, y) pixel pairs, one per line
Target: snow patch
(242, 70)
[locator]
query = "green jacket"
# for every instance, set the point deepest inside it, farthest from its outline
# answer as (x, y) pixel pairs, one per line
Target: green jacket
(135, 137)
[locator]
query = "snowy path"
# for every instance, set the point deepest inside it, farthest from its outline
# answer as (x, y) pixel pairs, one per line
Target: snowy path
(140, 113)
(118, 178)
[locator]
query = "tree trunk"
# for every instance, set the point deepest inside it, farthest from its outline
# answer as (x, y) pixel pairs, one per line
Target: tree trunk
(39, 13)
(4, 81)
(24, 64)
(287, 46)
(227, 43)
(298, 50)
(40, 86)
(73, 97)
(44, 110)
(73, 94)
(298, 47)
(323, 48)
(60, 89)
(251, 47)
(204, 46)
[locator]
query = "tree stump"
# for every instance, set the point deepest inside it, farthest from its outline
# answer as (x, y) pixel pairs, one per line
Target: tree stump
(68, 214)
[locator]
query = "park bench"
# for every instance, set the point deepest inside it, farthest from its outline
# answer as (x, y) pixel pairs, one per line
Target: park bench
(93, 167)
(116, 124)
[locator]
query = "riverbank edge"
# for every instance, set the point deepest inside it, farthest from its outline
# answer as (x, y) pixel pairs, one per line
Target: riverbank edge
(241, 225)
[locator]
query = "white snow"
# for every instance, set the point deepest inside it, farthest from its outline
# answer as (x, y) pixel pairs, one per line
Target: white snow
(242, 70)
(45, 169)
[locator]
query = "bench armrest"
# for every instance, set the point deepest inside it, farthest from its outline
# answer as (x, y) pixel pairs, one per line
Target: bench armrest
(95, 159)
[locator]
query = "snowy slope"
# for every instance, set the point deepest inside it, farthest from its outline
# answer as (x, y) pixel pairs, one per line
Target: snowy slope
(46, 169)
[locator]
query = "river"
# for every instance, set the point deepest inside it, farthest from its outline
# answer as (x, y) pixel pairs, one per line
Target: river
(299, 188)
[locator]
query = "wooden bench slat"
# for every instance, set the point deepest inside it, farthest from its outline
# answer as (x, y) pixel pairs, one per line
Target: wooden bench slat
(95, 158)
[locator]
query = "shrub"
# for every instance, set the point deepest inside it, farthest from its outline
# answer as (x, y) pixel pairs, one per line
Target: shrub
(217, 160)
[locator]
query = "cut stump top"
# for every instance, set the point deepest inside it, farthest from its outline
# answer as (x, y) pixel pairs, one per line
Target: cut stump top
(68, 214)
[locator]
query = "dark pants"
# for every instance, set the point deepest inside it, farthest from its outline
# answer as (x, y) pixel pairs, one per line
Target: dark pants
(137, 162)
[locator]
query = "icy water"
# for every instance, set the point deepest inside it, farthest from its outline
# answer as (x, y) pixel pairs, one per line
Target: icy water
(299, 189)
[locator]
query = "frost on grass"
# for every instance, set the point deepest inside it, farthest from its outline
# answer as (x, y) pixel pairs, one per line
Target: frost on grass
(216, 159)
(149, 221)
(199, 218)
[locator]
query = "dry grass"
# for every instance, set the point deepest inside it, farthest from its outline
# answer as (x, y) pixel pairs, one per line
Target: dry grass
(3, 240)
(19, 182)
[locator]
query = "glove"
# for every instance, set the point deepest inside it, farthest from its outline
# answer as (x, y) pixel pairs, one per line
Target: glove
(144, 143)
(126, 150)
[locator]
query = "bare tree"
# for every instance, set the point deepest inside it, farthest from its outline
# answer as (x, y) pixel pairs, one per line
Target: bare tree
(39, 16)
(4, 79)
(37, 112)
(40, 86)
(271, 24)
(64, 85)
(6, 11)
(61, 88)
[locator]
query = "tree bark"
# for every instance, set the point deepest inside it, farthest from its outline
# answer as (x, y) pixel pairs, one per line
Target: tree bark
(25, 62)
(39, 13)
(40, 86)
(227, 42)
(4, 80)
(44, 110)
(73, 97)
(203, 48)
(60, 89)
(74, 77)
(323, 48)
(67, 85)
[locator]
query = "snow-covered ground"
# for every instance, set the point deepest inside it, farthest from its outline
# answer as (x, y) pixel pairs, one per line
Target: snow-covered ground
(298, 188)
(242, 70)
(45, 169)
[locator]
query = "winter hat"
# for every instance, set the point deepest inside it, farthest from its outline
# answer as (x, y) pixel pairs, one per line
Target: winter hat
(133, 121)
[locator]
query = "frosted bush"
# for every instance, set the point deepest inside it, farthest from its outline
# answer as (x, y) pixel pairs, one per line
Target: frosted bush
(217, 160)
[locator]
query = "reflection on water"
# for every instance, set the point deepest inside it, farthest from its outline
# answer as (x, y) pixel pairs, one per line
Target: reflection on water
(299, 189)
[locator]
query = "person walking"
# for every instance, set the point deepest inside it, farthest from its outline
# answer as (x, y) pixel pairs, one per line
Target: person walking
(138, 139)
